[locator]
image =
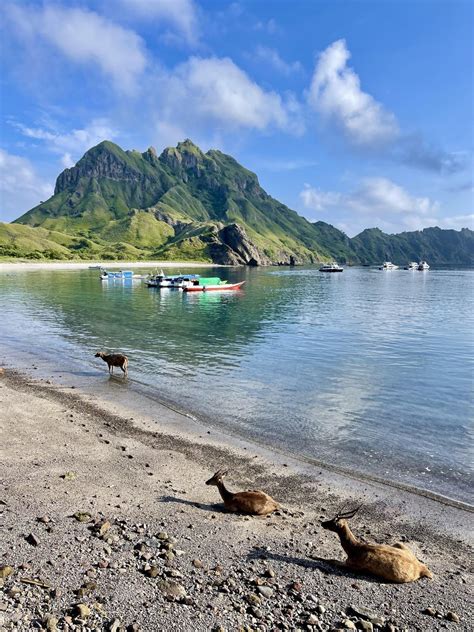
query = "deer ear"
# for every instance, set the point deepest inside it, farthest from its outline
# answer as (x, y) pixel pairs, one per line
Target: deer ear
(222, 473)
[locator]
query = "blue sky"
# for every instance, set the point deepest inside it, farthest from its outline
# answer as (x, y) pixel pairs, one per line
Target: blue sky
(357, 113)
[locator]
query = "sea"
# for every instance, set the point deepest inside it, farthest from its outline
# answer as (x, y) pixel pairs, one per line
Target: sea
(367, 371)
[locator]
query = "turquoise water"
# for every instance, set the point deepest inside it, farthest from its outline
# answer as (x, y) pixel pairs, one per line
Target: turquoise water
(367, 370)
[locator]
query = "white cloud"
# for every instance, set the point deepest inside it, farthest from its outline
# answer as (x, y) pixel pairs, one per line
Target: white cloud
(377, 201)
(336, 94)
(85, 38)
(272, 57)
(457, 222)
(21, 187)
(182, 14)
(216, 89)
(71, 144)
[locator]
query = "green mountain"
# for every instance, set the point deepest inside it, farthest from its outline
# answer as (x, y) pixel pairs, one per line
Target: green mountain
(190, 205)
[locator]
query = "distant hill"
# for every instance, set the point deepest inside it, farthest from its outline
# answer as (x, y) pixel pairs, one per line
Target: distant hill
(190, 205)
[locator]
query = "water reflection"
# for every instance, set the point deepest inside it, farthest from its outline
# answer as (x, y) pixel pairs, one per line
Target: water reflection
(363, 369)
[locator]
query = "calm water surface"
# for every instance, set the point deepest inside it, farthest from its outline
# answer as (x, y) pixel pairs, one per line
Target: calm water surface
(368, 370)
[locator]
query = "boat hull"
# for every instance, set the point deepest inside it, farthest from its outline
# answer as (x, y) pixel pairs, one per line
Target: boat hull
(214, 288)
(322, 270)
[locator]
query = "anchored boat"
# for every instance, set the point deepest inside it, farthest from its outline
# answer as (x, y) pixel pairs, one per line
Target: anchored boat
(209, 284)
(162, 281)
(388, 265)
(331, 267)
(423, 266)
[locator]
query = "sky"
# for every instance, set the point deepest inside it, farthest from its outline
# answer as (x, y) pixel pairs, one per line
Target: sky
(356, 113)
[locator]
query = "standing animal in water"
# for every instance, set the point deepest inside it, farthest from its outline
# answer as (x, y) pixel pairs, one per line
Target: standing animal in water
(394, 563)
(253, 502)
(114, 359)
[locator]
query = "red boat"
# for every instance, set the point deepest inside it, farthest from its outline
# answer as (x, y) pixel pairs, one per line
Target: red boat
(221, 287)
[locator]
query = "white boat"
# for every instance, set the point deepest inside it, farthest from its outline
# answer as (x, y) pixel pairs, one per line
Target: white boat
(162, 281)
(413, 265)
(388, 265)
(423, 266)
(120, 275)
(331, 267)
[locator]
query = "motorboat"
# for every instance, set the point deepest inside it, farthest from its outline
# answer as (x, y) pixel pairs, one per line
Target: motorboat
(423, 266)
(162, 281)
(331, 267)
(209, 284)
(413, 265)
(107, 275)
(388, 265)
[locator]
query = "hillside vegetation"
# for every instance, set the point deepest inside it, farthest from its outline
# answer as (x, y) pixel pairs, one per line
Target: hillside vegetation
(190, 205)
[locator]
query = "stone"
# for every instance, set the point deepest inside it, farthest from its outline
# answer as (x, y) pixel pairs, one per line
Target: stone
(114, 626)
(103, 527)
(360, 611)
(363, 624)
(312, 620)
(51, 624)
(153, 571)
(171, 589)
(32, 539)
(82, 516)
(266, 591)
(431, 612)
(197, 564)
(82, 611)
(69, 476)
(452, 616)
(5, 571)
(349, 625)
(163, 536)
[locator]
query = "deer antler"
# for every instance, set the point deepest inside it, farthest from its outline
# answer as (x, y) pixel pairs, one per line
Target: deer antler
(343, 514)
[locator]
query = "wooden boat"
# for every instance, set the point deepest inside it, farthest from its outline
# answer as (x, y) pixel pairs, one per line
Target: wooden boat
(212, 284)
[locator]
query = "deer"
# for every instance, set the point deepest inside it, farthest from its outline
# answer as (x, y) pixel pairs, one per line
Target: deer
(114, 359)
(393, 563)
(254, 502)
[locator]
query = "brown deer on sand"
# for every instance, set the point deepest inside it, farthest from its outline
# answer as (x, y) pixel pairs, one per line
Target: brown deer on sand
(253, 502)
(114, 359)
(394, 563)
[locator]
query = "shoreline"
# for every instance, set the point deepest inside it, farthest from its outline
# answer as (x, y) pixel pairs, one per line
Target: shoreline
(125, 461)
(6, 266)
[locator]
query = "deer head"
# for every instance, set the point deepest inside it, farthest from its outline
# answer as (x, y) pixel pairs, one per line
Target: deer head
(217, 478)
(99, 354)
(336, 523)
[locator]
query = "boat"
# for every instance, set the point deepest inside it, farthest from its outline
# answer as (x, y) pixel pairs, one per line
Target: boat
(423, 266)
(388, 265)
(413, 265)
(106, 275)
(209, 284)
(97, 267)
(162, 281)
(331, 267)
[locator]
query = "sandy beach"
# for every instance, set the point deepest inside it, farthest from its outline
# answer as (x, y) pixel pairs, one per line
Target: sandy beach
(78, 265)
(108, 525)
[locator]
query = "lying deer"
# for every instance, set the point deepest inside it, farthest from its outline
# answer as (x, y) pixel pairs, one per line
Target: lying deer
(393, 563)
(114, 359)
(252, 502)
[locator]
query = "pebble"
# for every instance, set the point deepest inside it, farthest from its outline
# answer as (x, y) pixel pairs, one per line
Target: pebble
(114, 626)
(432, 612)
(363, 624)
(5, 571)
(349, 625)
(171, 589)
(312, 620)
(266, 591)
(82, 611)
(452, 616)
(32, 539)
